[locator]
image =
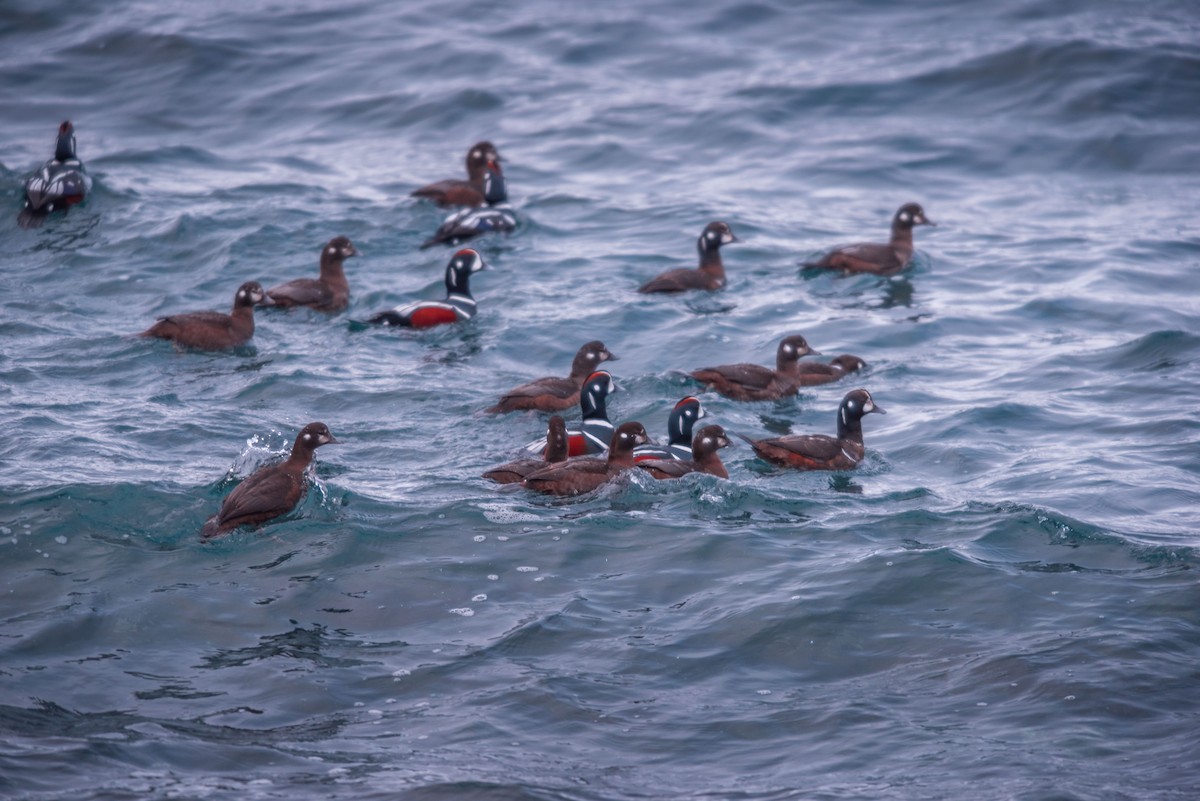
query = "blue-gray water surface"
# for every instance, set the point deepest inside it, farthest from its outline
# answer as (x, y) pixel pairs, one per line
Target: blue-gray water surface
(998, 603)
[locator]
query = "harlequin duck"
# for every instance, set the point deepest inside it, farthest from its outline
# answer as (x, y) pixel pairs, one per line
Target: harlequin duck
(496, 216)
(553, 394)
(481, 159)
(211, 330)
(811, 374)
(60, 183)
(329, 293)
(596, 432)
(751, 382)
(711, 272)
(556, 451)
(470, 223)
(458, 306)
(269, 491)
(821, 452)
(679, 433)
(704, 458)
(584, 475)
(880, 259)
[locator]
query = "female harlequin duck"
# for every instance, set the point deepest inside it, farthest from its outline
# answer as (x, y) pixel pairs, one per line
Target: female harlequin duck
(329, 293)
(704, 458)
(711, 272)
(880, 259)
(458, 306)
(596, 432)
(473, 192)
(820, 452)
(556, 451)
(496, 216)
(679, 433)
(584, 475)
(269, 491)
(210, 330)
(60, 183)
(752, 382)
(811, 374)
(553, 394)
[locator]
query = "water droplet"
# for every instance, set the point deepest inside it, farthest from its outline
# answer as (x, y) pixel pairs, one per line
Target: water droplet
(463, 611)
(479, 598)
(526, 569)
(480, 537)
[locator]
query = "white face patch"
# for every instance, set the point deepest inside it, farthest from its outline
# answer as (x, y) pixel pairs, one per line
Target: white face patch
(331, 250)
(307, 437)
(904, 216)
(789, 348)
(707, 441)
(476, 154)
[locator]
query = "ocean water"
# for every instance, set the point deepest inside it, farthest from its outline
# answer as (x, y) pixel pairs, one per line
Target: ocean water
(1001, 602)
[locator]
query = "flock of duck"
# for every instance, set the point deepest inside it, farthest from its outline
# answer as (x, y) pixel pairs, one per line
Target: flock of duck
(564, 462)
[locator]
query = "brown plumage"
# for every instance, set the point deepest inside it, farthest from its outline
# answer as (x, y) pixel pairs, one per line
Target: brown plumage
(819, 451)
(553, 394)
(878, 258)
(212, 330)
(711, 272)
(556, 451)
(752, 382)
(328, 293)
(705, 445)
(584, 475)
(471, 192)
(811, 374)
(269, 491)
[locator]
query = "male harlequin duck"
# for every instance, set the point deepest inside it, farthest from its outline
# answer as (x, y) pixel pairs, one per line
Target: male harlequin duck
(556, 451)
(269, 491)
(752, 382)
(496, 216)
(880, 259)
(711, 272)
(679, 433)
(329, 293)
(473, 192)
(596, 431)
(811, 374)
(820, 452)
(584, 475)
(704, 458)
(553, 394)
(211, 330)
(458, 306)
(60, 183)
